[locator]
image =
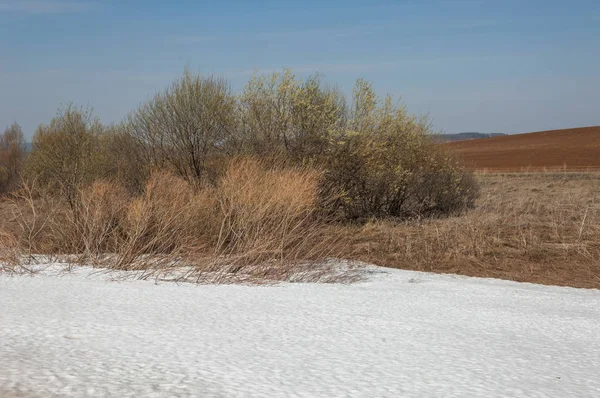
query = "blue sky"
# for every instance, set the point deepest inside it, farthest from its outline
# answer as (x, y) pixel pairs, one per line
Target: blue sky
(473, 65)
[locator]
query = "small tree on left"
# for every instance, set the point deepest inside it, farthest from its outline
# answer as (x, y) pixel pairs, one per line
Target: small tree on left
(66, 153)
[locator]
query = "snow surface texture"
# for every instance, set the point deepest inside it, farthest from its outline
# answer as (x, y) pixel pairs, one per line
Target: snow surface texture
(400, 334)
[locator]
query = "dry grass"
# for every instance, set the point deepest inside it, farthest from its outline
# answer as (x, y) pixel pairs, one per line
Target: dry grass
(261, 223)
(9, 254)
(537, 227)
(258, 222)
(267, 219)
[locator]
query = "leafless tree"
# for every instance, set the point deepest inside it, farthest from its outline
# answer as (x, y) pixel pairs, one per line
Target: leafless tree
(187, 126)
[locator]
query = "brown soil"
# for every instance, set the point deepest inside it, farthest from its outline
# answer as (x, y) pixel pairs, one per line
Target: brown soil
(571, 149)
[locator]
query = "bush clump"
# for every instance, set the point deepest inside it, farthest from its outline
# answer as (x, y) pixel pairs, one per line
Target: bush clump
(375, 158)
(384, 165)
(225, 182)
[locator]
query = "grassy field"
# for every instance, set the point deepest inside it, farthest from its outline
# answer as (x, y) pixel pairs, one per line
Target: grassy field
(531, 227)
(575, 149)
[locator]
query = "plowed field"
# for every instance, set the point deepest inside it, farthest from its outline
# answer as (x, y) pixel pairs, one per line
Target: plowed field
(572, 149)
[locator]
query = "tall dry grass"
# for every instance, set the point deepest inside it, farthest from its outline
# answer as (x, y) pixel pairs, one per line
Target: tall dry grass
(268, 214)
(538, 227)
(259, 221)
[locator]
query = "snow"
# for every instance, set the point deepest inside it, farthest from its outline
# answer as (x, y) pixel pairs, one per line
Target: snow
(398, 334)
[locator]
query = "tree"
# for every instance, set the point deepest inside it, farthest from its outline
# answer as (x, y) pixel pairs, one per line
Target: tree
(187, 126)
(66, 153)
(12, 156)
(123, 159)
(282, 114)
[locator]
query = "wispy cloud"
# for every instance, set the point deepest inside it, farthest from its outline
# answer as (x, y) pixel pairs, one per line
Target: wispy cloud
(47, 6)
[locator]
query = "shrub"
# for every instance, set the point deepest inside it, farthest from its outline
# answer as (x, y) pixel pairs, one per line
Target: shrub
(377, 158)
(372, 156)
(89, 229)
(385, 165)
(375, 155)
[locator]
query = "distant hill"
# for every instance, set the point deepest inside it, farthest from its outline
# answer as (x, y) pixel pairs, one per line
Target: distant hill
(464, 136)
(576, 148)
